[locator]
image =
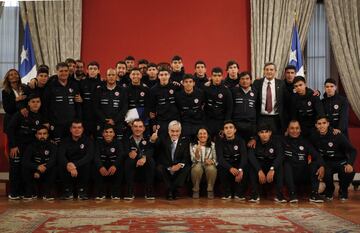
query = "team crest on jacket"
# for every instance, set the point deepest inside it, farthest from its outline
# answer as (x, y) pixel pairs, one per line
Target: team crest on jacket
(46, 152)
(196, 100)
(143, 142)
(251, 94)
(236, 147)
(142, 94)
(220, 95)
(309, 103)
(301, 147)
(82, 146)
(71, 90)
(51, 127)
(117, 93)
(336, 106)
(171, 91)
(330, 144)
(271, 150)
(37, 122)
(112, 149)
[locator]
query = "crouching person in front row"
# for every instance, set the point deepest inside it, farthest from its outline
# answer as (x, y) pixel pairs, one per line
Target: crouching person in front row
(174, 158)
(75, 154)
(266, 161)
(39, 166)
(109, 165)
(139, 159)
(232, 155)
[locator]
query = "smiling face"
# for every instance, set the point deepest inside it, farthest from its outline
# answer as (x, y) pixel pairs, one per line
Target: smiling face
(270, 71)
(135, 76)
(294, 129)
(202, 136)
(174, 132)
(108, 134)
(63, 73)
(42, 135)
(322, 125)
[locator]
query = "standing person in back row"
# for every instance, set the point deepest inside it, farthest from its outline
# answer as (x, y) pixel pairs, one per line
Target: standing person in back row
(272, 95)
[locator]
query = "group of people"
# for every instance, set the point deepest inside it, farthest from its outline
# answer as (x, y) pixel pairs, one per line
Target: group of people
(154, 121)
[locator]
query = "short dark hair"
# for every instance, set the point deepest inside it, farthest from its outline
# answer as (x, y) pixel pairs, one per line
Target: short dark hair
(76, 121)
(94, 63)
(270, 64)
(330, 80)
(129, 58)
(230, 63)
(138, 120)
(163, 69)
(188, 76)
(70, 60)
(143, 61)
(108, 126)
(229, 122)
(152, 65)
(33, 96)
(199, 62)
(176, 58)
(290, 67)
(208, 141)
(299, 79)
(244, 73)
(120, 62)
(43, 66)
(41, 127)
(61, 65)
(135, 69)
(264, 126)
(42, 70)
(217, 70)
(319, 117)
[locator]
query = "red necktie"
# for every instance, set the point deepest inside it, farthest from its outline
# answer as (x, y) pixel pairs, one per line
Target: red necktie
(268, 104)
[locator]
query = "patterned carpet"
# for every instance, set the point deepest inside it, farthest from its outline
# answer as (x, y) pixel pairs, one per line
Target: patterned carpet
(180, 220)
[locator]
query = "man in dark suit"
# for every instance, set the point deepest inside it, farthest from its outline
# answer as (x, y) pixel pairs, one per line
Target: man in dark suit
(174, 158)
(272, 94)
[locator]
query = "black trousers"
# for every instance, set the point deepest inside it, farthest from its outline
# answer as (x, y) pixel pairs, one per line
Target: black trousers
(15, 173)
(147, 171)
(46, 180)
(228, 184)
(265, 167)
(214, 125)
(246, 130)
(273, 121)
(300, 174)
(81, 181)
(113, 182)
(176, 180)
(332, 167)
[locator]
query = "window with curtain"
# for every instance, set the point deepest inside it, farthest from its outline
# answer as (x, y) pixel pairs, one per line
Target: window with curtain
(318, 50)
(9, 38)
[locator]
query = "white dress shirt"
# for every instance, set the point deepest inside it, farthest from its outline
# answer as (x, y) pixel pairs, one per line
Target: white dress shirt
(273, 95)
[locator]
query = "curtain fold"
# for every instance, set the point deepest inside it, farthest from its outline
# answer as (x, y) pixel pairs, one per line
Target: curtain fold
(343, 19)
(55, 28)
(271, 29)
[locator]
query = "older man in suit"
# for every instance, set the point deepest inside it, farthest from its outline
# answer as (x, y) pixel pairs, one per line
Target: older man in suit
(174, 158)
(272, 97)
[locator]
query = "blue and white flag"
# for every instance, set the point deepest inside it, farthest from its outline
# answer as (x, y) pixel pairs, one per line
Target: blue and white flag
(295, 53)
(27, 55)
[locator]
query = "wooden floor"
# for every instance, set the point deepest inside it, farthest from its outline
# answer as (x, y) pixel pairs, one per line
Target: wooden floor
(349, 210)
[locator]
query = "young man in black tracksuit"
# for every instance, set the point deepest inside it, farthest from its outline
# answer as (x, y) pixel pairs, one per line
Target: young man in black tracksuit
(138, 97)
(109, 164)
(190, 103)
(139, 158)
(218, 102)
(88, 87)
(111, 105)
(339, 156)
(163, 107)
(75, 154)
(232, 156)
(266, 161)
(232, 79)
(336, 108)
(200, 76)
(302, 163)
(305, 106)
(61, 103)
(177, 68)
(39, 165)
(21, 133)
(244, 107)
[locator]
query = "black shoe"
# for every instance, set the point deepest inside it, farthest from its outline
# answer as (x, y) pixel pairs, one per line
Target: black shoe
(175, 194)
(68, 195)
(169, 196)
(254, 197)
(150, 194)
(316, 198)
(343, 195)
(293, 197)
(82, 194)
(129, 195)
(280, 198)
